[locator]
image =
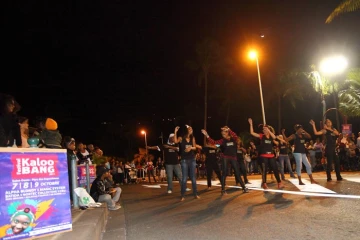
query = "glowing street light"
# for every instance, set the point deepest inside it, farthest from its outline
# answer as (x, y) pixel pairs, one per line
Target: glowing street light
(143, 132)
(333, 65)
(254, 56)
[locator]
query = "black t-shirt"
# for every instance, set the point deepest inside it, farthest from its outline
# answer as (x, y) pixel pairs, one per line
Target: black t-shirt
(210, 154)
(229, 147)
(171, 155)
(330, 140)
(299, 143)
(266, 145)
(185, 144)
(240, 154)
(283, 148)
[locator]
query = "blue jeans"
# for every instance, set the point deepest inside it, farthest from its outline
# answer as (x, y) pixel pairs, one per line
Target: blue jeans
(301, 158)
(170, 169)
(188, 167)
(282, 160)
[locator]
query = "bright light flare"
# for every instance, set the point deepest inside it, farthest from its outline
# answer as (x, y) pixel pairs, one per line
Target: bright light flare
(333, 65)
(143, 132)
(252, 55)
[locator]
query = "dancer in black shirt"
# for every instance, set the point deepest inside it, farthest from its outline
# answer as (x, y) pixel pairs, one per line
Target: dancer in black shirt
(330, 134)
(266, 153)
(211, 163)
(228, 145)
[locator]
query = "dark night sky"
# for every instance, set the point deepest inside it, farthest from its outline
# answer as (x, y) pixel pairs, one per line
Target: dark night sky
(86, 62)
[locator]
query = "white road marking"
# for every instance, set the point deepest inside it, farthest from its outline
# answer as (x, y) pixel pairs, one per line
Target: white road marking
(352, 179)
(151, 186)
(308, 187)
(313, 190)
(204, 183)
(255, 183)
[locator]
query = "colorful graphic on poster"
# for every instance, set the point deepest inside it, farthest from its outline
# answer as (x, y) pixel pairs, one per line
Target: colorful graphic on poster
(34, 193)
(82, 174)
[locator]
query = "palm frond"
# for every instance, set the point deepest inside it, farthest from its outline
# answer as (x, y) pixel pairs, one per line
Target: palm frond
(349, 101)
(344, 7)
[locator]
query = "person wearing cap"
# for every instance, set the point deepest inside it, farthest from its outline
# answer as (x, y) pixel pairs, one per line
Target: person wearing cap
(172, 165)
(299, 153)
(187, 146)
(99, 192)
(228, 145)
(330, 135)
(51, 136)
(266, 153)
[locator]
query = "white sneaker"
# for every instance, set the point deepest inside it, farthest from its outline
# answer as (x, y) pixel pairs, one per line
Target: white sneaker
(115, 208)
(169, 191)
(188, 189)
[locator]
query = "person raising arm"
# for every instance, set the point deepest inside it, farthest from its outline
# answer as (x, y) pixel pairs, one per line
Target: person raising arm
(330, 134)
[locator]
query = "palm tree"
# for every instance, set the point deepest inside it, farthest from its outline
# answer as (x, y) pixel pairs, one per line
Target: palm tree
(344, 7)
(349, 98)
(207, 57)
(291, 85)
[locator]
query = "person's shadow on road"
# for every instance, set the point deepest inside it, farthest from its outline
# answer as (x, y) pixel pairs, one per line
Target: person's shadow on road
(215, 209)
(276, 199)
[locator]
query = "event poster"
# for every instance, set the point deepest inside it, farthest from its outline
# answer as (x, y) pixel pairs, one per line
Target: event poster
(34, 193)
(82, 174)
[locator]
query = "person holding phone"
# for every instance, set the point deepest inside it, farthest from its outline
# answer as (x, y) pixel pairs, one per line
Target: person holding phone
(330, 135)
(187, 146)
(299, 138)
(266, 152)
(228, 144)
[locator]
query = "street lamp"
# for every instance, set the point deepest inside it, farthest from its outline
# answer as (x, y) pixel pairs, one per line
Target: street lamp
(144, 133)
(331, 67)
(253, 55)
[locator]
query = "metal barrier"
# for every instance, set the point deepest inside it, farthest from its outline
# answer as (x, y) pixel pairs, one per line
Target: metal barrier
(87, 177)
(74, 180)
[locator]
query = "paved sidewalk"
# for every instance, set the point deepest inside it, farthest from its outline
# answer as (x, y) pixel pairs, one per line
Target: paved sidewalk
(116, 227)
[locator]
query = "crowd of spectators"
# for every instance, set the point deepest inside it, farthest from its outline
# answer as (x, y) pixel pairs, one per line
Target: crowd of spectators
(15, 132)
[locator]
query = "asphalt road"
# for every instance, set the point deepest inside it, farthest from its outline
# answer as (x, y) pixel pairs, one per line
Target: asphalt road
(151, 213)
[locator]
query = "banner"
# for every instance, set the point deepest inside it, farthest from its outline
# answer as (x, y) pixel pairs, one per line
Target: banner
(346, 129)
(34, 193)
(82, 174)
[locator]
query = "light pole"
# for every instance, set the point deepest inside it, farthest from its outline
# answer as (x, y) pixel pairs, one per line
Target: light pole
(331, 67)
(143, 132)
(253, 55)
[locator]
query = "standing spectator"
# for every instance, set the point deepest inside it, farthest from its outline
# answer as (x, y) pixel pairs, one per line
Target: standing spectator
(120, 172)
(358, 144)
(150, 170)
(9, 127)
(161, 167)
(319, 148)
(82, 154)
(69, 145)
(24, 130)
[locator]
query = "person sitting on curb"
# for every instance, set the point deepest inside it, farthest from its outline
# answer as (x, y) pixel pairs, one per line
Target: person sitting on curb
(99, 193)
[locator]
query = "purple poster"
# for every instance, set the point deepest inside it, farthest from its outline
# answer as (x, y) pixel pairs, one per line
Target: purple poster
(34, 193)
(82, 174)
